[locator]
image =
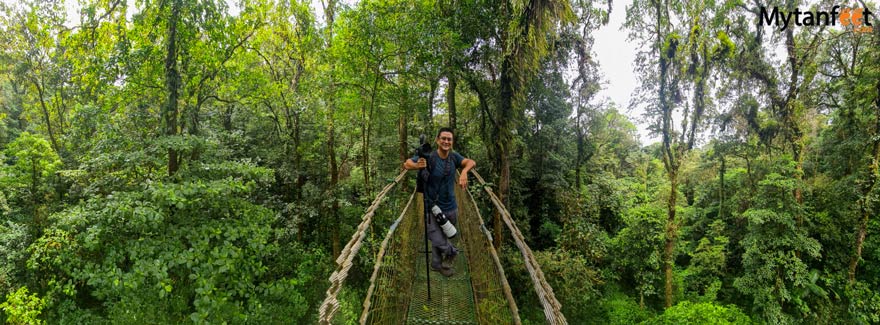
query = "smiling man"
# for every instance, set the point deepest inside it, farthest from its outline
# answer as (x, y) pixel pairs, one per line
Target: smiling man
(441, 166)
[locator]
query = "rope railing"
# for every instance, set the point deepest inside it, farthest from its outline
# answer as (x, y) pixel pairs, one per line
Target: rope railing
(470, 205)
(552, 307)
(330, 305)
(379, 258)
(395, 270)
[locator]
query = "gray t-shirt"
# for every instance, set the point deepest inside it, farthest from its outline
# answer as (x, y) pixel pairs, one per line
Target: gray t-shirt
(439, 189)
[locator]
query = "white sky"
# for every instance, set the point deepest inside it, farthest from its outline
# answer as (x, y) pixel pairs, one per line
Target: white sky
(616, 57)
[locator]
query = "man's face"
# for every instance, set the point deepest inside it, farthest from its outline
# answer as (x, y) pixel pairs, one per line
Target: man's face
(444, 141)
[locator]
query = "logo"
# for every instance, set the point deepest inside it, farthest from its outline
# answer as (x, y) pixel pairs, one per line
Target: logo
(859, 19)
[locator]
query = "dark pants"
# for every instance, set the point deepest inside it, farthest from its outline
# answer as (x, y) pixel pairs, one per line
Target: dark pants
(441, 246)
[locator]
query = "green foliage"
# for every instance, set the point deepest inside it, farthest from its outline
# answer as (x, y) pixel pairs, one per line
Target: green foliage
(864, 303)
(23, 309)
(14, 239)
(94, 230)
(32, 162)
(775, 252)
(575, 283)
(708, 262)
(725, 48)
(198, 249)
(621, 309)
(585, 239)
(700, 313)
(637, 250)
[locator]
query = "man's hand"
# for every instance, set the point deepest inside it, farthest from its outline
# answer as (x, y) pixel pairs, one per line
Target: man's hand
(415, 165)
(463, 180)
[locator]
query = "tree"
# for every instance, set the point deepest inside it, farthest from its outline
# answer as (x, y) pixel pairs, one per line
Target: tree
(681, 62)
(172, 83)
(858, 113)
(330, 18)
(525, 39)
(37, 65)
(774, 271)
(287, 51)
(636, 248)
(588, 81)
(26, 179)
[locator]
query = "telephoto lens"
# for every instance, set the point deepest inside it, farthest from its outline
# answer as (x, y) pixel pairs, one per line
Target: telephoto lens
(444, 223)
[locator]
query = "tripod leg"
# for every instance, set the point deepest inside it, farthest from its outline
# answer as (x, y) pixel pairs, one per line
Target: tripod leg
(427, 257)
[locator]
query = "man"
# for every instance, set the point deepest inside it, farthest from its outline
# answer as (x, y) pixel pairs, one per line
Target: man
(439, 190)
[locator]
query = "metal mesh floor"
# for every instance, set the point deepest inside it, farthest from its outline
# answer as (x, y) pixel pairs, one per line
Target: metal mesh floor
(476, 294)
(452, 298)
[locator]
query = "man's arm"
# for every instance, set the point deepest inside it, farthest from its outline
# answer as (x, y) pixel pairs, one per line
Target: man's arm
(466, 166)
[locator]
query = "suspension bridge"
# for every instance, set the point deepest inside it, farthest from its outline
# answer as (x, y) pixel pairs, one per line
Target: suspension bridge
(478, 293)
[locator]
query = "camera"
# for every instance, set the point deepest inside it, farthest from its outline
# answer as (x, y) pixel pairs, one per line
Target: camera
(423, 151)
(447, 227)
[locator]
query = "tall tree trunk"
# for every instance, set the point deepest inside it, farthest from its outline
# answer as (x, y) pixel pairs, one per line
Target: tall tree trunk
(227, 117)
(172, 84)
(297, 158)
(16, 114)
(330, 13)
(402, 149)
(502, 120)
(450, 101)
(491, 135)
(367, 131)
(795, 135)
(62, 111)
(45, 108)
(194, 126)
(503, 139)
(365, 149)
(721, 187)
(429, 122)
(579, 160)
(671, 234)
(670, 161)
